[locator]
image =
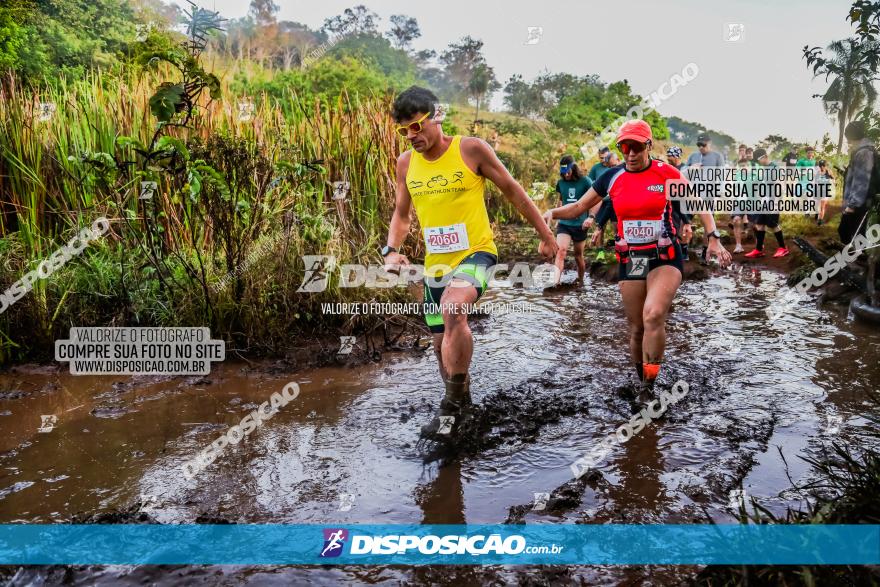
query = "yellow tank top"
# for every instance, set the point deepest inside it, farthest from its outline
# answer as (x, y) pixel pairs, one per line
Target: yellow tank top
(448, 198)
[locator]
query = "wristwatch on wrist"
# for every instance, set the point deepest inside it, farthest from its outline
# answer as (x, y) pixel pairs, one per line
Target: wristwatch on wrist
(387, 250)
(714, 233)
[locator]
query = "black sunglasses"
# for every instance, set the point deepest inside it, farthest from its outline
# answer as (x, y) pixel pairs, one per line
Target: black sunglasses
(701, 144)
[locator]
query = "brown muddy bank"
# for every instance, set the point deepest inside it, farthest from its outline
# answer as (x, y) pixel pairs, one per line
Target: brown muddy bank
(549, 384)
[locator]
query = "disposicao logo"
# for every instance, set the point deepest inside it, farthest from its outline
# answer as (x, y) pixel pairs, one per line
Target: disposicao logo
(405, 544)
(334, 540)
(444, 545)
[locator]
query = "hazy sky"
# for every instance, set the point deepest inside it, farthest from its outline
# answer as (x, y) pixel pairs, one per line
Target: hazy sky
(748, 89)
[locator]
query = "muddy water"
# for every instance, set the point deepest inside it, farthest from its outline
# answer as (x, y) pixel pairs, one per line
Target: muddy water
(552, 382)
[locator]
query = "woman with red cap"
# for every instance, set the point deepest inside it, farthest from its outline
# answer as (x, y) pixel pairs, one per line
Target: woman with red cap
(650, 263)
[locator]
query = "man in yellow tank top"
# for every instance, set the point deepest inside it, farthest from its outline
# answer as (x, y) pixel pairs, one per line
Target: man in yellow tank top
(443, 178)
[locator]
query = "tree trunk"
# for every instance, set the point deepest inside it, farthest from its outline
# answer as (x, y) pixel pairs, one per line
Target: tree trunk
(476, 117)
(847, 110)
(841, 124)
(872, 272)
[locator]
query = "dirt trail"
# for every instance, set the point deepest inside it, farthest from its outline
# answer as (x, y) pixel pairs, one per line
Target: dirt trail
(549, 385)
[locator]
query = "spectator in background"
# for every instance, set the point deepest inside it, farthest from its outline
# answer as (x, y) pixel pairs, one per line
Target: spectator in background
(602, 166)
(705, 156)
(683, 229)
(809, 160)
(824, 176)
(750, 154)
(764, 221)
(741, 153)
(739, 220)
(673, 157)
(600, 214)
(790, 159)
(857, 184)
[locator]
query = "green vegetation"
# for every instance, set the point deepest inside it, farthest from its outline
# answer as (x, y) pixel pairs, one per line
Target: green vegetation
(844, 492)
(852, 70)
(227, 181)
(41, 39)
(244, 125)
(584, 105)
(686, 133)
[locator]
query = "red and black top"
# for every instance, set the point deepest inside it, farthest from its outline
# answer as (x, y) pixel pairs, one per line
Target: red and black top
(639, 195)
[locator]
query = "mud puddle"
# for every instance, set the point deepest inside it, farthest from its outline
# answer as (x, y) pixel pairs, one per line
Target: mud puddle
(551, 384)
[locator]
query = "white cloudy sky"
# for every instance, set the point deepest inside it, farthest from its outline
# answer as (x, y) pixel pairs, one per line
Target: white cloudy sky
(748, 89)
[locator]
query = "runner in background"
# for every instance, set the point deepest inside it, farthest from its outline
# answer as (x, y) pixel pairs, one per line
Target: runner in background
(570, 187)
(824, 177)
(739, 220)
(443, 178)
(704, 155)
(650, 262)
(602, 166)
(683, 227)
(809, 160)
(763, 221)
(603, 212)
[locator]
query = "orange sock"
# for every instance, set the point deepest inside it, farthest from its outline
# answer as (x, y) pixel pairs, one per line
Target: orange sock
(650, 371)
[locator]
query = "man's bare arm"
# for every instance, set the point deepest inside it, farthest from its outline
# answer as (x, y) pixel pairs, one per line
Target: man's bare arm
(400, 220)
(490, 167)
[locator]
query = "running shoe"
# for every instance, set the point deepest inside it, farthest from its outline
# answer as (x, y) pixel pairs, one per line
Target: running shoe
(447, 420)
(454, 411)
(738, 249)
(755, 254)
(646, 393)
(781, 252)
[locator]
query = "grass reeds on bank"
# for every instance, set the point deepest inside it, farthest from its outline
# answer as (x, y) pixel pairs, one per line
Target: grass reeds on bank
(83, 158)
(844, 490)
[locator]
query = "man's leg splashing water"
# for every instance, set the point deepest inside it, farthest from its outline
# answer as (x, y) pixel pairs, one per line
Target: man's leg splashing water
(454, 348)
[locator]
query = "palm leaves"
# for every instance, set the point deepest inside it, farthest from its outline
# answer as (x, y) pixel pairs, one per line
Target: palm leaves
(851, 70)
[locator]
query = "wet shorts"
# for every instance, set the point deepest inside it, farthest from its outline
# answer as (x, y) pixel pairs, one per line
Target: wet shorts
(677, 262)
(474, 269)
(771, 220)
(576, 233)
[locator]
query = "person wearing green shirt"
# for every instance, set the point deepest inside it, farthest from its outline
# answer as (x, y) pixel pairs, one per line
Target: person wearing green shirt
(763, 221)
(824, 176)
(809, 160)
(606, 162)
(571, 186)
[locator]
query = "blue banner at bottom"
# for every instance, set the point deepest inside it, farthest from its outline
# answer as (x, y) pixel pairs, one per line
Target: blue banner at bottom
(568, 544)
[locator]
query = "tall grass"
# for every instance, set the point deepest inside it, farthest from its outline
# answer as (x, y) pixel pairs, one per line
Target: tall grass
(44, 186)
(60, 174)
